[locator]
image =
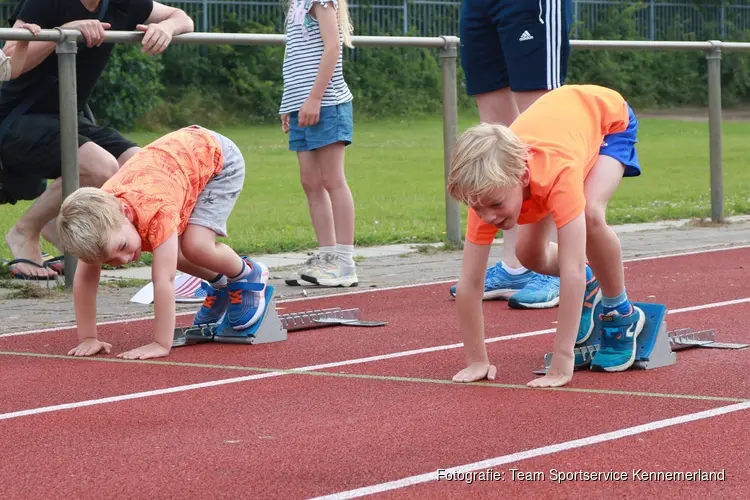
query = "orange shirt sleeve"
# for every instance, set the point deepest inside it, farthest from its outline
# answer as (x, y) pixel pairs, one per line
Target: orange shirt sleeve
(478, 231)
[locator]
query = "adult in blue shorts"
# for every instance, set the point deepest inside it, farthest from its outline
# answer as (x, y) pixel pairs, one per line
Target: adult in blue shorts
(513, 52)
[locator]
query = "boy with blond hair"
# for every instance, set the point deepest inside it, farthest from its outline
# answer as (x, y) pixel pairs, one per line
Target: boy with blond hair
(555, 167)
(172, 199)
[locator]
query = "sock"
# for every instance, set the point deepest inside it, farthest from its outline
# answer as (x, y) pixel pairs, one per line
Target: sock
(514, 271)
(323, 250)
(220, 281)
(242, 274)
(621, 304)
(345, 253)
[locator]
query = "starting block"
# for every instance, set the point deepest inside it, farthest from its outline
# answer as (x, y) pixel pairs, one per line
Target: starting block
(271, 327)
(655, 346)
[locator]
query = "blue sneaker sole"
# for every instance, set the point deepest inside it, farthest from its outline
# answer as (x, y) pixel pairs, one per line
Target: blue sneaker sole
(515, 304)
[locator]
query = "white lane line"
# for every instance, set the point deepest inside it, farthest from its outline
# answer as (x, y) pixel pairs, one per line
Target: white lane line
(534, 452)
(335, 364)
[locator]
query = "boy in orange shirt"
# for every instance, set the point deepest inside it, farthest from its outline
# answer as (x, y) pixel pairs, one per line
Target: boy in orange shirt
(172, 198)
(555, 167)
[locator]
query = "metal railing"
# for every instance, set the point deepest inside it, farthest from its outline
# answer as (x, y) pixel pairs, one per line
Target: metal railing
(67, 47)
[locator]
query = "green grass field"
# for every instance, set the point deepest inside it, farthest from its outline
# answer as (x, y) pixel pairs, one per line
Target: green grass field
(395, 170)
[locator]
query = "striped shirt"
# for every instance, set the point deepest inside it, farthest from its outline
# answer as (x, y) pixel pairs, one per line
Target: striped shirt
(304, 50)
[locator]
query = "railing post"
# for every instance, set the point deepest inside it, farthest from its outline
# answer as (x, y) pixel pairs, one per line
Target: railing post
(713, 59)
(448, 57)
(66, 63)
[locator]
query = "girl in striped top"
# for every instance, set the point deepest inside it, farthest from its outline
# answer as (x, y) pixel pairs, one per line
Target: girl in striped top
(316, 112)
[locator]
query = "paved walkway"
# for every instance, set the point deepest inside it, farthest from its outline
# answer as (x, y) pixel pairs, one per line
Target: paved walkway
(378, 267)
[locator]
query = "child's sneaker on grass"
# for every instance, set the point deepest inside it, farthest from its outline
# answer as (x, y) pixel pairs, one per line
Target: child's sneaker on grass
(331, 271)
(591, 298)
(618, 344)
(311, 263)
(247, 297)
(500, 284)
(214, 305)
(541, 292)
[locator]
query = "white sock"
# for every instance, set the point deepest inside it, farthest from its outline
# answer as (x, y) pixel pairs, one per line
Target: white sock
(219, 282)
(345, 254)
(243, 274)
(514, 271)
(323, 250)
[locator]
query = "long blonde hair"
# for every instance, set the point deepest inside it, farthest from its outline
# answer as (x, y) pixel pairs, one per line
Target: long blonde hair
(345, 23)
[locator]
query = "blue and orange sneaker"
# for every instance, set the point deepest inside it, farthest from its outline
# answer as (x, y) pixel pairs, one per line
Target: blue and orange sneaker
(591, 298)
(214, 305)
(247, 297)
(618, 343)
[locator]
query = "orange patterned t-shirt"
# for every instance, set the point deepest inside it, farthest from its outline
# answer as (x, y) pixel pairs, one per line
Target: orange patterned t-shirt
(161, 183)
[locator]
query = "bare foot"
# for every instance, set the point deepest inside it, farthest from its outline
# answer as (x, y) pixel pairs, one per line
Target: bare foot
(23, 247)
(476, 371)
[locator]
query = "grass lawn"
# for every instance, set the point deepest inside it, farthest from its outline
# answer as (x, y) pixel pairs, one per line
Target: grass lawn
(395, 170)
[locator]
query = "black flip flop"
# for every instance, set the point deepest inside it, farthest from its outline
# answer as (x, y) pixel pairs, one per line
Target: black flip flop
(21, 276)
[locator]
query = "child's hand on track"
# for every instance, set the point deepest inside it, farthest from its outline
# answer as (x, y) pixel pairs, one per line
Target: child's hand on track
(152, 350)
(89, 347)
(476, 371)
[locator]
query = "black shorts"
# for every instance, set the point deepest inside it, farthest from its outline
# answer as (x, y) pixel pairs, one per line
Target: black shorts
(523, 44)
(30, 152)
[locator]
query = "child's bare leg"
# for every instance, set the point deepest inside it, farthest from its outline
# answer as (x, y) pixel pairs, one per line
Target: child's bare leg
(622, 323)
(318, 200)
(602, 243)
(330, 161)
(534, 249)
(200, 247)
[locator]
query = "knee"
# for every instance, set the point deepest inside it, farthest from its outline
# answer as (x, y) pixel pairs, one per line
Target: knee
(333, 180)
(96, 166)
(528, 254)
(595, 217)
(311, 181)
(193, 249)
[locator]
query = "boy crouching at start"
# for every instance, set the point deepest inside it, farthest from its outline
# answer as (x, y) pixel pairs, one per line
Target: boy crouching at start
(172, 198)
(554, 168)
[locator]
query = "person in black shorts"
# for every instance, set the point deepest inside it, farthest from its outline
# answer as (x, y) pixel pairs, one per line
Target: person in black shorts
(30, 112)
(512, 53)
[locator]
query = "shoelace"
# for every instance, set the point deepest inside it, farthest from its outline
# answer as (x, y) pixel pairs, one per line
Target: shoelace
(209, 301)
(538, 282)
(235, 296)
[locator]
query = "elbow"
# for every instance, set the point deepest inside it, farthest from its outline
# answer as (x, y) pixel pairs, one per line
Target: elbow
(187, 22)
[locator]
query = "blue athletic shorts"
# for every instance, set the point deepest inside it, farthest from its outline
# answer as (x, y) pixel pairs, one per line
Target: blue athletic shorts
(621, 147)
(336, 124)
(523, 44)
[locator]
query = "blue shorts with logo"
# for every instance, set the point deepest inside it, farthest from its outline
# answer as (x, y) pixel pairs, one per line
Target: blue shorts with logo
(336, 124)
(523, 44)
(621, 147)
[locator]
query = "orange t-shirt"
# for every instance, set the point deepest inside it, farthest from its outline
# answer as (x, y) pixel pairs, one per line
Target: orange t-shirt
(161, 183)
(565, 129)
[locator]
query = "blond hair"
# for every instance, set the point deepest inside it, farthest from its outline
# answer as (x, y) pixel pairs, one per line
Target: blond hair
(88, 218)
(345, 23)
(486, 157)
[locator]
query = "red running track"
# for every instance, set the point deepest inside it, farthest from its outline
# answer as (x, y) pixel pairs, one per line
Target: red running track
(303, 435)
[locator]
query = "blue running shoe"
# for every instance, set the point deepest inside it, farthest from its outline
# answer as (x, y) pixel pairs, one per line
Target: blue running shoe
(542, 292)
(214, 305)
(247, 297)
(591, 298)
(499, 284)
(619, 335)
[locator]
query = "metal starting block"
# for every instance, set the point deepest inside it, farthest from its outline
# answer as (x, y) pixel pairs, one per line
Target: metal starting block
(655, 346)
(271, 327)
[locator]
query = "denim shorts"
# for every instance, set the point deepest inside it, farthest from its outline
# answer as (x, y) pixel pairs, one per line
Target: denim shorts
(335, 124)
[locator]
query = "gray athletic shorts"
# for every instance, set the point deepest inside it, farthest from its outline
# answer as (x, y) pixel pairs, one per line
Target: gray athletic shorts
(216, 201)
